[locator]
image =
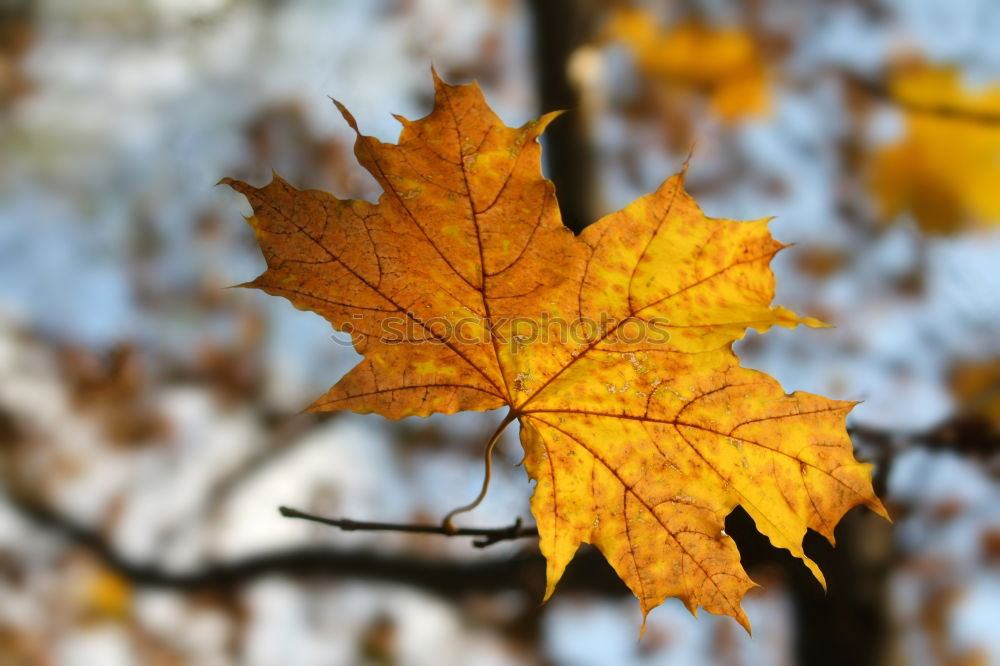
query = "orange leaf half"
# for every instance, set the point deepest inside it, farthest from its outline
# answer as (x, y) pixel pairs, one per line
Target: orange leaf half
(613, 348)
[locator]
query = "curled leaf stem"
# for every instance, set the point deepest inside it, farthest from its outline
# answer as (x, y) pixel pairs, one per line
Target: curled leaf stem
(447, 525)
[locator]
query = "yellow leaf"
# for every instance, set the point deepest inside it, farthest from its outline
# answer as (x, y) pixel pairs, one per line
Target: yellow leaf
(106, 594)
(612, 348)
(945, 168)
(724, 63)
(975, 386)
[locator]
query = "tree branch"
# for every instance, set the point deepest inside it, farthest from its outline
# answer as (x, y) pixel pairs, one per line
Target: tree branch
(491, 535)
(450, 579)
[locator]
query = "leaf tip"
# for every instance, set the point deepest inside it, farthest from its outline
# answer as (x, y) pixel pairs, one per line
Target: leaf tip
(813, 322)
(788, 319)
(687, 161)
(351, 122)
(690, 604)
(237, 185)
(816, 572)
(876, 505)
(320, 404)
(779, 246)
(642, 629)
(540, 125)
(440, 84)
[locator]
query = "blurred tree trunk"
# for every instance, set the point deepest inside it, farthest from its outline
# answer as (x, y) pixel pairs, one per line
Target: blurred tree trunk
(560, 26)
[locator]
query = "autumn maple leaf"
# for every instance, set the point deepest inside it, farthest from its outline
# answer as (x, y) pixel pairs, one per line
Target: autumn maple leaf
(464, 291)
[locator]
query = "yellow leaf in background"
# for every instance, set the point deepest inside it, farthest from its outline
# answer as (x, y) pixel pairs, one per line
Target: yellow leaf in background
(945, 169)
(975, 386)
(723, 63)
(106, 595)
(612, 348)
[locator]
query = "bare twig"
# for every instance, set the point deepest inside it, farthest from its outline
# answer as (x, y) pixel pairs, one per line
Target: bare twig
(490, 535)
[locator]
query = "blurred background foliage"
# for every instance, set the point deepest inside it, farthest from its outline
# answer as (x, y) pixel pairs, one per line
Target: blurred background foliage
(148, 415)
